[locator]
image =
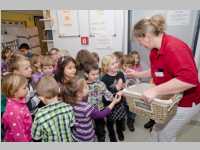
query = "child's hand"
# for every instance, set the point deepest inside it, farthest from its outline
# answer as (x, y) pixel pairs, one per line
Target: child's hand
(130, 73)
(119, 85)
(120, 93)
(117, 99)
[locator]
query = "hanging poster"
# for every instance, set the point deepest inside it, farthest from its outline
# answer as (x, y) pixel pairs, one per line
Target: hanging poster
(101, 22)
(68, 23)
(178, 17)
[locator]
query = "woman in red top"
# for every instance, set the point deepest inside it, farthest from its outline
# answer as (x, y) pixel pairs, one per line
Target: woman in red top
(173, 70)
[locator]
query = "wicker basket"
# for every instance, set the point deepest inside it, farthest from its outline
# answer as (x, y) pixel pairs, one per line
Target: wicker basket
(162, 109)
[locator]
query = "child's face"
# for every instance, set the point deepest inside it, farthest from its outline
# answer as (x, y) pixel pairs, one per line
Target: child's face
(137, 59)
(24, 51)
(22, 91)
(24, 69)
(55, 55)
(48, 70)
(93, 75)
(70, 70)
(125, 67)
(114, 65)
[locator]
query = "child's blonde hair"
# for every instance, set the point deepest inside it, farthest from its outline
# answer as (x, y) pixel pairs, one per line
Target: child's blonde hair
(47, 61)
(34, 60)
(47, 87)
(16, 61)
(106, 61)
(71, 89)
(11, 83)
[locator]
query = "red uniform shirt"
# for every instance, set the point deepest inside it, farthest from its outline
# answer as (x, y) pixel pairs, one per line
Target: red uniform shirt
(175, 60)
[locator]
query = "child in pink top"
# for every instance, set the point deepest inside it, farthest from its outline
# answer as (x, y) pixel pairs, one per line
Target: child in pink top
(17, 117)
(136, 57)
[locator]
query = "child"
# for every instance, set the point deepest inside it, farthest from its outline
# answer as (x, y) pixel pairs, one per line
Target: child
(16, 119)
(96, 56)
(137, 67)
(97, 90)
(36, 63)
(6, 54)
(19, 64)
(136, 57)
(128, 63)
(83, 58)
(36, 68)
(114, 81)
(52, 122)
(25, 50)
(47, 68)
(75, 93)
(130, 115)
(54, 53)
(66, 69)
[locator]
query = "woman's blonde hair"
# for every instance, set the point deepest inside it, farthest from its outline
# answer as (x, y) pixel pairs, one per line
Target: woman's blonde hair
(47, 87)
(106, 61)
(155, 25)
(11, 83)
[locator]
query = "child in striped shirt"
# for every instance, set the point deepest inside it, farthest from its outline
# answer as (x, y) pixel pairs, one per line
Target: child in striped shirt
(75, 92)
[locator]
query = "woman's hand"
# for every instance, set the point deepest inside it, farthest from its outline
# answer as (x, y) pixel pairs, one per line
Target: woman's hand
(149, 95)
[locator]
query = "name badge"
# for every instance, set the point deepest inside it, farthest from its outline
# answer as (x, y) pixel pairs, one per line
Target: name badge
(159, 74)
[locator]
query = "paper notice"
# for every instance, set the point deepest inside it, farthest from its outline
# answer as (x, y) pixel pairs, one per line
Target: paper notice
(178, 17)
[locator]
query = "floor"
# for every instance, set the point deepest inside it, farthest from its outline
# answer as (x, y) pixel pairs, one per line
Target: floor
(190, 133)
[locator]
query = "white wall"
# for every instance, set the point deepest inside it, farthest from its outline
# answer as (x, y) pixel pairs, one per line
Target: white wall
(73, 45)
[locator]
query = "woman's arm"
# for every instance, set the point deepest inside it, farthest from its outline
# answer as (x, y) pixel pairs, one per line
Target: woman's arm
(171, 87)
(136, 74)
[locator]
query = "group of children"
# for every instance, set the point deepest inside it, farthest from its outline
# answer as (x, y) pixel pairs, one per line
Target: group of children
(59, 98)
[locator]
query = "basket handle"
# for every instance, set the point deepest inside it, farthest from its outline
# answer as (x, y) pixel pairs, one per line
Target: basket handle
(176, 100)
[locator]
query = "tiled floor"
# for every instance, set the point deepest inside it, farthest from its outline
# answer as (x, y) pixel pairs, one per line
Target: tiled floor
(190, 133)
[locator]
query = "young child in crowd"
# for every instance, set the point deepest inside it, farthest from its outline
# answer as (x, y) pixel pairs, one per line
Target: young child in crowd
(54, 53)
(19, 64)
(114, 81)
(83, 58)
(24, 49)
(36, 68)
(97, 90)
(16, 119)
(128, 63)
(47, 68)
(137, 67)
(136, 57)
(54, 121)
(75, 92)
(130, 115)
(96, 56)
(6, 54)
(66, 69)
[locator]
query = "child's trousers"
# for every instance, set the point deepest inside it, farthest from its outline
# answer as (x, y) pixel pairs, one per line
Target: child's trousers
(168, 132)
(119, 129)
(100, 129)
